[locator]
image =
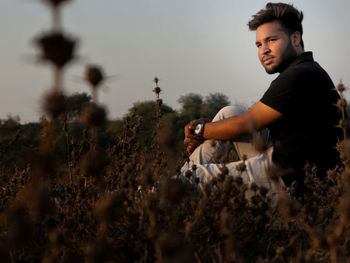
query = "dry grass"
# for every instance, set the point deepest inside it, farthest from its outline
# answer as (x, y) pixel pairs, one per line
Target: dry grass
(123, 205)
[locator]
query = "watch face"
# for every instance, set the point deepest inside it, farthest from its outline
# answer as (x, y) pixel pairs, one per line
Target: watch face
(198, 129)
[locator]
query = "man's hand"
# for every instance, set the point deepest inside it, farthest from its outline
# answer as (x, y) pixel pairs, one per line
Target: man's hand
(192, 141)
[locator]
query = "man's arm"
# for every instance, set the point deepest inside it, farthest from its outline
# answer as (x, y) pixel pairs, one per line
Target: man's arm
(257, 117)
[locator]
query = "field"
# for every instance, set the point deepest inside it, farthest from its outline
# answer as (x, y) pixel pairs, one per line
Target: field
(88, 201)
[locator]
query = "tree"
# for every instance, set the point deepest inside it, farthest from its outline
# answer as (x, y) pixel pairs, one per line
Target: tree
(147, 110)
(191, 105)
(76, 103)
(213, 103)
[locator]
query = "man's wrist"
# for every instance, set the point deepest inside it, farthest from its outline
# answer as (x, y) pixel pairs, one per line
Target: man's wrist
(199, 130)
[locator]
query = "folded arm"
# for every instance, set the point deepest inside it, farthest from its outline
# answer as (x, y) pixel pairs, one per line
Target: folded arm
(256, 118)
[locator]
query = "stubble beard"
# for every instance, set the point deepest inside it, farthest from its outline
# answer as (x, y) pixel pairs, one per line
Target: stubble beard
(288, 55)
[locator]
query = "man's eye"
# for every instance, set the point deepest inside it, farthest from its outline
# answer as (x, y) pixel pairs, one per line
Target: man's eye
(272, 39)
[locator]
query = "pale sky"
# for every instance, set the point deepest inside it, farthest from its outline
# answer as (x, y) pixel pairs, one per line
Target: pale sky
(198, 46)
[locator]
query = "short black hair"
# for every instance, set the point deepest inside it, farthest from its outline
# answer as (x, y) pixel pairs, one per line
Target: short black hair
(286, 14)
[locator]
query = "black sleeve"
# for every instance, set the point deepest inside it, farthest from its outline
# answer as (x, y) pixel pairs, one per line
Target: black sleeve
(281, 95)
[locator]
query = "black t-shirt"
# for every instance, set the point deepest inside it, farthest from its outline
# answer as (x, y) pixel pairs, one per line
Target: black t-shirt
(306, 97)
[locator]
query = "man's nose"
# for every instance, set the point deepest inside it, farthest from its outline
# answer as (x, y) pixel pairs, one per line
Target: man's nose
(266, 49)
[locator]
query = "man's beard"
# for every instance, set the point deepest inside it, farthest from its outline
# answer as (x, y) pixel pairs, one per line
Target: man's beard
(287, 57)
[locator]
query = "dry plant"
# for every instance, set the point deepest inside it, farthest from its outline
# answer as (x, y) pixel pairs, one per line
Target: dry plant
(124, 205)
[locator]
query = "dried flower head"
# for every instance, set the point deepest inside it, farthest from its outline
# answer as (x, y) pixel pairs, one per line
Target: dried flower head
(188, 174)
(274, 172)
(288, 207)
(94, 75)
(241, 167)
(56, 48)
(159, 102)
(93, 115)
(55, 104)
(340, 87)
(260, 144)
(156, 90)
(156, 80)
(224, 170)
(254, 187)
(55, 3)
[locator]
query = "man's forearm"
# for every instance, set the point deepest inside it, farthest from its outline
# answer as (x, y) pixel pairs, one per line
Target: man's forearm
(228, 129)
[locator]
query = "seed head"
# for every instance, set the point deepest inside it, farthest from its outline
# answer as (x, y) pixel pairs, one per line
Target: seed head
(224, 170)
(241, 167)
(263, 191)
(288, 207)
(56, 48)
(156, 80)
(260, 144)
(188, 174)
(340, 87)
(94, 75)
(93, 115)
(157, 90)
(55, 3)
(254, 187)
(274, 173)
(159, 102)
(55, 104)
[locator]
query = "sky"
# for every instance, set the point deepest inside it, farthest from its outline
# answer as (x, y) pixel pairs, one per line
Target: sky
(192, 46)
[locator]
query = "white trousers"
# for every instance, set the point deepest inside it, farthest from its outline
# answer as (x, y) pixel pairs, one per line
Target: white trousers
(207, 167)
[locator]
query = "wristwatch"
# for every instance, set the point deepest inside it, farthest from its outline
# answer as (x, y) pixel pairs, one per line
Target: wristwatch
(199, 129)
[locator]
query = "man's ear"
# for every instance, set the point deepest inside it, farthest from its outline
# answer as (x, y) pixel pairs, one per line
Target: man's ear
(296, 39)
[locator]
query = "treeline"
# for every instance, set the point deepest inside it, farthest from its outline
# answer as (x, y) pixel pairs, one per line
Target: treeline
(18, 141)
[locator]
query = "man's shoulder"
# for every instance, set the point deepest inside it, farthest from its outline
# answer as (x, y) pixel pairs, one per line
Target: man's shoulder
(300, 72)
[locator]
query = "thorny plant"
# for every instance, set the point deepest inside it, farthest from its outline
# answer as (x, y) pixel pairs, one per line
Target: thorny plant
(125, 205)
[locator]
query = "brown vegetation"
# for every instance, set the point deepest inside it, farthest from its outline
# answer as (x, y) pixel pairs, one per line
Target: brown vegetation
(124, 204)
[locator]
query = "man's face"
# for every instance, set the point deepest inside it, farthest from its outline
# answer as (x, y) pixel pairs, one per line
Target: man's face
(274, 46)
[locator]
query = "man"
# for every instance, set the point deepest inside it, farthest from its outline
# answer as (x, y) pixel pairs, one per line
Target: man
(298, 107)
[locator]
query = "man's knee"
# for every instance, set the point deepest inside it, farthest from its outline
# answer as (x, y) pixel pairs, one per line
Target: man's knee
(227, 112)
